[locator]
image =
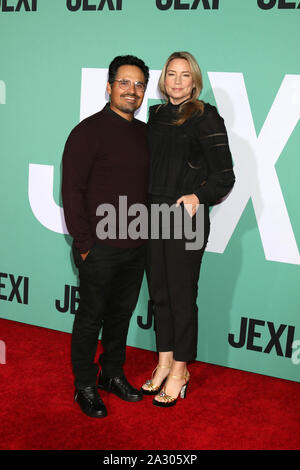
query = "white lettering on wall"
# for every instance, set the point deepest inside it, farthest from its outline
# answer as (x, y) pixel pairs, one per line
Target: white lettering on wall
(254, 165)
(40, 193)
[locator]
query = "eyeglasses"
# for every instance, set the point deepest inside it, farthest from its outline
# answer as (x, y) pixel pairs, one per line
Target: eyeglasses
(125, 84)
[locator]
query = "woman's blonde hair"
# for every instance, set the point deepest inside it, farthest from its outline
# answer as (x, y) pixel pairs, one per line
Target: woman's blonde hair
(193, 105)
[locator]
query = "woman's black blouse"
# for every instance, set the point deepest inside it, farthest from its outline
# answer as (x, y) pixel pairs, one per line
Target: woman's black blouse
(193, 158)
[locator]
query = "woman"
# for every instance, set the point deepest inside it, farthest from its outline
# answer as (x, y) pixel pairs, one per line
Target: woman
(190, 165)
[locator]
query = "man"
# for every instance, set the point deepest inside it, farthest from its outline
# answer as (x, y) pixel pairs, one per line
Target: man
(105, 157)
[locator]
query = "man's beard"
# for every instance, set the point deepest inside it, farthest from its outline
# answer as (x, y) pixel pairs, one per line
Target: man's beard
(128, 108)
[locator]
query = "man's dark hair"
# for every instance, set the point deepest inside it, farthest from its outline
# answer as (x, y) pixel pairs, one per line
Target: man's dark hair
(126, 60)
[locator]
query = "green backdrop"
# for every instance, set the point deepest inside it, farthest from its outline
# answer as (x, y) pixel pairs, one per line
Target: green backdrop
(53, 65)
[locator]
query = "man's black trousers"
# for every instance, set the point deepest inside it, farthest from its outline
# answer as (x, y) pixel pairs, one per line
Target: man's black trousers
(110, 281)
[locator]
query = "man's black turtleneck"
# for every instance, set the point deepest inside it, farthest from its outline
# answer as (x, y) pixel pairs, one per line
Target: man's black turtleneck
(105, 156)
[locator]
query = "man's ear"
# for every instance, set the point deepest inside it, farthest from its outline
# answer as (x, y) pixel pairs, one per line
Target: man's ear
(108, 88)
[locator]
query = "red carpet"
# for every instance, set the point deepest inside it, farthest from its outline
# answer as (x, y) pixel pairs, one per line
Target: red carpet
(224, 409)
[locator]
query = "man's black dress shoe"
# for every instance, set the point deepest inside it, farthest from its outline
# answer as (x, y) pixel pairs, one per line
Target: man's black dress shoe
(120, 387)
(90, 402)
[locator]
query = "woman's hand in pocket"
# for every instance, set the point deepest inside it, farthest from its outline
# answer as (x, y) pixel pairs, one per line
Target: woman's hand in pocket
(191, 203)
